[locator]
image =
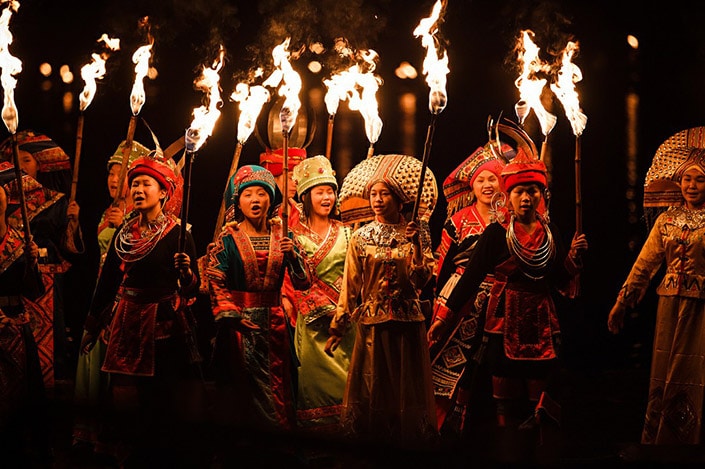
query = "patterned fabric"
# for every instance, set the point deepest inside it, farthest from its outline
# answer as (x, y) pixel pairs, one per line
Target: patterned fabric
(273, 160)
(401, 172)
(321, 378)
(49, 155)
(137, 151)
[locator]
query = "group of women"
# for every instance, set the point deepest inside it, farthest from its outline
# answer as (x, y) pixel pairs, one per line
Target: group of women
(321, 326)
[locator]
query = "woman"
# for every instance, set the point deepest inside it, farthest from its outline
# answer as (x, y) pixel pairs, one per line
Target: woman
(24, 410)
(245, 271)
(475, 181)
(389, 395)
(324, 240)
(92, 383)
(675, 405)
(524, 253)
(57, 232)
(143, 292)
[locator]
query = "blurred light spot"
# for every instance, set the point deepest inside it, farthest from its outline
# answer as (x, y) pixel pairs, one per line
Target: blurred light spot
(633, 41)
(315, 66)
(68, 102)
(45, 69)
(406, 70)
(46, 85)
(152, 73)
(66, 74)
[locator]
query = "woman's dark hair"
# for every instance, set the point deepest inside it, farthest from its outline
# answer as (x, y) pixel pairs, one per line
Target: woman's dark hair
(307, 205)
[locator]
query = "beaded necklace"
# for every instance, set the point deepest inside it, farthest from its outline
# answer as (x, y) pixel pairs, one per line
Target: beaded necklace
(531, 261)
(132, 245)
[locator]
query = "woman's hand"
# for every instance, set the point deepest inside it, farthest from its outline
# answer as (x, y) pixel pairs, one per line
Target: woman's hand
(286, 245)
(182, 262)
(578, 245)
(114, 216)
(412, 232)
(333, 341)
(615, 321)
(33, 252)
(72, 211)
(435, 332)
(88, 342)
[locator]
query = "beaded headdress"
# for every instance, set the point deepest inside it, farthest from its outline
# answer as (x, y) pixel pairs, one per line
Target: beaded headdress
(313, 172)
(400, 172)
(137, 150)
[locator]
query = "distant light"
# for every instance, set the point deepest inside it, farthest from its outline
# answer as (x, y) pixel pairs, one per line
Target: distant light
(406, 70)
(68, 102)
(633, 41)
(45, 69)
(46, 85)
(317, 48)
(66, 74)
(315, 66)
(152, 73)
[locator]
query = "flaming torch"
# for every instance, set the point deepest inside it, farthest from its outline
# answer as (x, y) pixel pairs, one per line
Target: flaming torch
(90, 73)
(338, 86)
(530, 87)
(290, 88)
(11, 66)
(204, 119)
(564, 89)
(251, 99)
(436, 70)
(137, 98)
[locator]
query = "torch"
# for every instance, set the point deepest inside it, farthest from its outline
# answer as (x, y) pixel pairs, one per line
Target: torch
(333, 97)
(530, 87)
(436, 71)
(564, 88)
(11, 66)
(251, 99)
(290, 88)
(204, 119)
(137, 98)
(90, 73)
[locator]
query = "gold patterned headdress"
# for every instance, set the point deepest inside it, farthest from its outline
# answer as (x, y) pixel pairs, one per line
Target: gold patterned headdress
(400, 172)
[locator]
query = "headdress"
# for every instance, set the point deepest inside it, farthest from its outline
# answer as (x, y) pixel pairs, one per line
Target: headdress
(273, 160)
(524, 170)
(137, 150)
(246, 176)
(400, 172)
(457, 187)
(37, 197)
(49, 155)
(313, 172)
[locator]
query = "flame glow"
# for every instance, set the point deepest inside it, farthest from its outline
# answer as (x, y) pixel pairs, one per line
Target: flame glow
(358, 85)
(95, 71)
(141, 60)
(530, 86)
(11, 66)
(435, 68)
(290, 87)
(205, 117)
(564, 88)
(251, 99)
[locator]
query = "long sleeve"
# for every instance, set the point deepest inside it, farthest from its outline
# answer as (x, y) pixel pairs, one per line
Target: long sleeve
(352, 286)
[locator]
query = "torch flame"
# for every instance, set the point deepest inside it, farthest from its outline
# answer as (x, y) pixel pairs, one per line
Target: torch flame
(564, 88)
(251, 99)
(11, 66)
(530, 86)
(435, 68)
(95, 71)
(291, 85)
(205, 117)
(141, 60)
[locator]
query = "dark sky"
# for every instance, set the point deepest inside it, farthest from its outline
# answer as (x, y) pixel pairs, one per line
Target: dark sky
(665, 75)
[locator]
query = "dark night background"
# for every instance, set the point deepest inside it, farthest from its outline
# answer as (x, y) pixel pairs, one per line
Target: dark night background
(664, 77)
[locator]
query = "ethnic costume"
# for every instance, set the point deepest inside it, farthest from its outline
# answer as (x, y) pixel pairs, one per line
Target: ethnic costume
(389, 393)
(321, 378)
(144, 303)
(675, 401)
(451, 358)
(245, 275)
(521, 322)
(60, 241)
(24, 419)
(91, 389)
